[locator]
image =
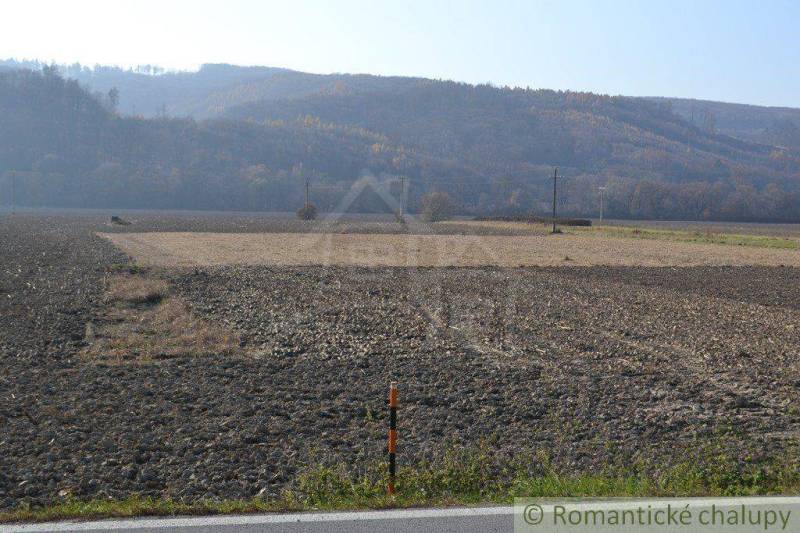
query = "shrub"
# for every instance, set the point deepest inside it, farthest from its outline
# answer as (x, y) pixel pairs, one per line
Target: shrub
(437, 206)
(307, 212)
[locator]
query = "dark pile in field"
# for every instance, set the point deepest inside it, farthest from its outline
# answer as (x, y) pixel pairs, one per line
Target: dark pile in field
(593, 366)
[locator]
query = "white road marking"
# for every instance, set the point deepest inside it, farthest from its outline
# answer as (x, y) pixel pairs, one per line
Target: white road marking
(235, 520)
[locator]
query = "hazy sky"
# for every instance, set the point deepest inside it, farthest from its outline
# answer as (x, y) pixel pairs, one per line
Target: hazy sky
(731, 50)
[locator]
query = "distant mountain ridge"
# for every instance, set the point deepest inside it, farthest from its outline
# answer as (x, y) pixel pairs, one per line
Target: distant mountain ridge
(210, 91)
(216, 88)
(264, 93)
(492, 148)
(778, 126)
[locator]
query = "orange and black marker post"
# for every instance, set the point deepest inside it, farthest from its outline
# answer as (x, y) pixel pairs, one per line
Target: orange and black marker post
(392, 434)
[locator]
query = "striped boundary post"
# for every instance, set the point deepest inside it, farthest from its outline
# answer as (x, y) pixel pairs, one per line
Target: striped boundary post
(392, 434)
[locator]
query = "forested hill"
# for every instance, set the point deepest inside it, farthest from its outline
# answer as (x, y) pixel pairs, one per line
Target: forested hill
(779, 126)
(266, 130)
(214, 89)
(61, 146)
(512, 131)
(149, 91)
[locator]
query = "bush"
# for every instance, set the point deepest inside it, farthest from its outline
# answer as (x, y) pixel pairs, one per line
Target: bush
(437, 206)
(307, 212)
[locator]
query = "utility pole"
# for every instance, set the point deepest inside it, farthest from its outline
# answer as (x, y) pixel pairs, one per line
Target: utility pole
(306, 193)
(555, 177)
(402, 196)
(506, 198)
(602, 195)
(13, 191)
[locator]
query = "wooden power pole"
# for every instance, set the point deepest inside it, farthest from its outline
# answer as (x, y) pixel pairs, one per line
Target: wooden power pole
(602, 201)
(402, 196)
(13, 191)
(555, 177)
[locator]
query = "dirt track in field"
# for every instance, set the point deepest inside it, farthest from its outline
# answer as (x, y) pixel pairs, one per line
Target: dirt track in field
(172, 249)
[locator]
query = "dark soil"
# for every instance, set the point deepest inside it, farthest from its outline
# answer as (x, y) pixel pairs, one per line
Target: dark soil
(592, 366)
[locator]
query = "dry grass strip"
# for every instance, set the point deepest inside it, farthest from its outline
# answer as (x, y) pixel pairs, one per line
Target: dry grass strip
(142, 322)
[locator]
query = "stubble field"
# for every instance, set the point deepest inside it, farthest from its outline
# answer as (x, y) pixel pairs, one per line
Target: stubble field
(181, 249)
(652, 355)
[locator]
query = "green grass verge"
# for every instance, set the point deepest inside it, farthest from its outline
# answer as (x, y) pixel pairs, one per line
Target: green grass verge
(703, 237)
(464, 478)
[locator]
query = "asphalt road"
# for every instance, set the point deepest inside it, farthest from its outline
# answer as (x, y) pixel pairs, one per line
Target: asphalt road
(457, 520)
